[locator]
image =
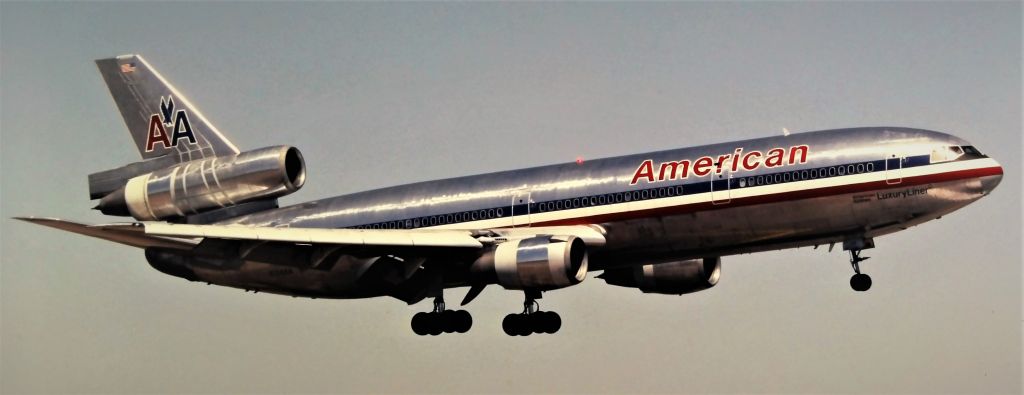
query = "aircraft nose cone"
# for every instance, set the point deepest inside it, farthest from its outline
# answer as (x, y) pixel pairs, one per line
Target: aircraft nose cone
(990, 182)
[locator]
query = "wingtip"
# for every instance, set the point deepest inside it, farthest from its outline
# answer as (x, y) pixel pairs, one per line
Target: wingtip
(123, 57)
(37, 220)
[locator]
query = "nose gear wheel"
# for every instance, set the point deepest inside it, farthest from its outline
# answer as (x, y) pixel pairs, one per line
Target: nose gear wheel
(860, 282)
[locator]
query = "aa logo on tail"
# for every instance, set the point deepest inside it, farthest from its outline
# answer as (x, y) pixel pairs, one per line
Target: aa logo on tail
(168, 119)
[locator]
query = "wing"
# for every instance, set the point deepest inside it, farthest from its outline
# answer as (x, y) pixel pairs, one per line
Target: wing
(312, 248)
(124, 233)
(187, 236)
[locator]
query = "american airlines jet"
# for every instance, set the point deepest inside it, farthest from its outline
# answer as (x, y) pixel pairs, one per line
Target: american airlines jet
(204, 210)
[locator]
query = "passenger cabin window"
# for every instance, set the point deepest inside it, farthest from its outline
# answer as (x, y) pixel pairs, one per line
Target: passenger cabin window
(946, 154)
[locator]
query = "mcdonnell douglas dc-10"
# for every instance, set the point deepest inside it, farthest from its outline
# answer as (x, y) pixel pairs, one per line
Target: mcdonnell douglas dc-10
(659, 222)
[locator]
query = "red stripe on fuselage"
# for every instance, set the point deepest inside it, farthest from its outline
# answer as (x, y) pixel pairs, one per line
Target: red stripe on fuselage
(777, 197)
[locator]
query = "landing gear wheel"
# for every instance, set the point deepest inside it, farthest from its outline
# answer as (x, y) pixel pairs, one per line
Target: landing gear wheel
(435, 324)
(860, 282)
(552, 322)
(441, 321)
(463, 321)
(510, 324)
(420, 323)
(531, 320)
(446, 319)
(524, 325)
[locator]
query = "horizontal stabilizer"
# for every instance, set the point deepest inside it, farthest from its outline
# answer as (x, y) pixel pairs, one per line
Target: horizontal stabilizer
(124, 233)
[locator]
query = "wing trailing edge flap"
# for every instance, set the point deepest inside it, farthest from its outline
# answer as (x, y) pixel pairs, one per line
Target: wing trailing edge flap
(123, 233)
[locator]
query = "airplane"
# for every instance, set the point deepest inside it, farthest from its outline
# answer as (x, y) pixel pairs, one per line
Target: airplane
(205, 211)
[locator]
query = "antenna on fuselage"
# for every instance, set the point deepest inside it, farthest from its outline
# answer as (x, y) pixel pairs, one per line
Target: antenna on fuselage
(785, 132)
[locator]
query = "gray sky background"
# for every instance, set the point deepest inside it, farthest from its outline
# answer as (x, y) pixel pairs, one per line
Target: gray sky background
(383, 94)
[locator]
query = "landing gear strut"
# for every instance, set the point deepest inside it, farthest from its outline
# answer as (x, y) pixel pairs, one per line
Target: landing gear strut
(859, 282)
(440, 320)
(531, 320)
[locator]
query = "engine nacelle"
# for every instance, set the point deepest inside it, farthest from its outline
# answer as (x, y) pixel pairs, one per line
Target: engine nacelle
(193, 187)
(673, 278)
(540, 262)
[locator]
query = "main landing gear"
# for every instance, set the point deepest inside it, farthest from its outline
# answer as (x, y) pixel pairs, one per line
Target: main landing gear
(441, 320)
(531, 320)
(860, 282)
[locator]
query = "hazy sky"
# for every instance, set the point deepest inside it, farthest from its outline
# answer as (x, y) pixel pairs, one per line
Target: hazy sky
(383, 94)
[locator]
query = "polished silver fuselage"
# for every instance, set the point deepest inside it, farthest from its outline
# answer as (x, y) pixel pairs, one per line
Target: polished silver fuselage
(853, 184)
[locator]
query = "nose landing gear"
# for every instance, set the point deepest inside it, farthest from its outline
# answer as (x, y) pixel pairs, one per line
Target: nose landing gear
(860, 282)
(531, 320)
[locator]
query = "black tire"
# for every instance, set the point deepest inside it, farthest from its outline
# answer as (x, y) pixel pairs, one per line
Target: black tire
(860, 282)
(419, 323)
(463, 321)
(509, 325)
(524, 324)
(550, 322)
(435, 325)
(531, 323)
(555, 322)
(542, 321)
(448, 321)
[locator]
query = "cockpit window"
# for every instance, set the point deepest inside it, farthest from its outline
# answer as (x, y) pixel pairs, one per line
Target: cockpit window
(946, 154)
(970, 150)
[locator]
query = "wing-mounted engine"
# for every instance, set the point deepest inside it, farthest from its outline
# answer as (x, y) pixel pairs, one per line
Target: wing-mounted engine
(538, 263)
(193, 187)
(673, 278)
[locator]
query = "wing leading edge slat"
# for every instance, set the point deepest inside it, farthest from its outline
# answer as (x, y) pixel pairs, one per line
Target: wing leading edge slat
(375, 237)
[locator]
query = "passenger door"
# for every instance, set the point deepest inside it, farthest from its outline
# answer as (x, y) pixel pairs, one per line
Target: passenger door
(893, 167)
(721, 192)
(521, 209)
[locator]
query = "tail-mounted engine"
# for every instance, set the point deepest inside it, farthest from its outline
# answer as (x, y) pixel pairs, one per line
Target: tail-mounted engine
(673, 278)
(192, 187)
(540, 262)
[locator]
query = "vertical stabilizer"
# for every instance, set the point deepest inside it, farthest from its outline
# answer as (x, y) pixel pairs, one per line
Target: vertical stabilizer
(160, 119)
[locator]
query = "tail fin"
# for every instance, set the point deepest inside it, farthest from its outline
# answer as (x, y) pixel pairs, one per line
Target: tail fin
(160, 119)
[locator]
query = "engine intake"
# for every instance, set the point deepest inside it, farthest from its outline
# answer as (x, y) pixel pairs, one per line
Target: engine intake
(673, 278)
(540, 262)
(193, 187)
